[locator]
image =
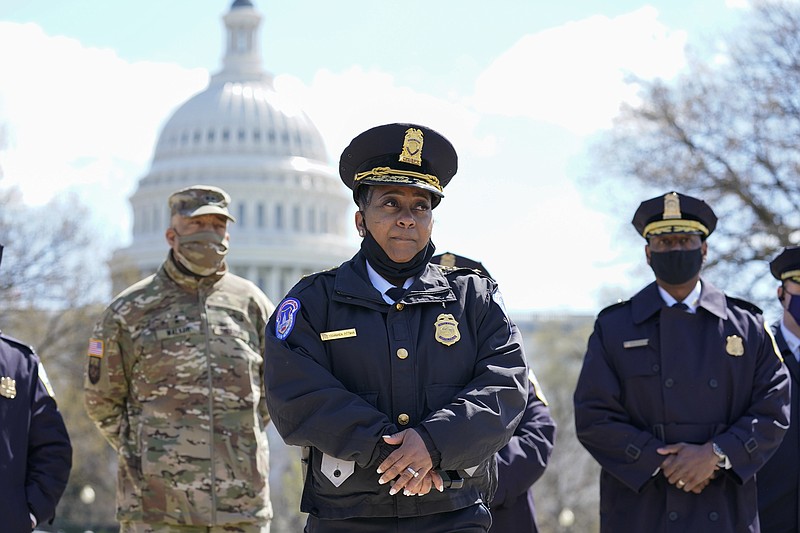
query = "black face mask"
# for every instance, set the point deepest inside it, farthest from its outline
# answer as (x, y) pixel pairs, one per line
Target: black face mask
(387, 268)
(677, 266)
(794, 306)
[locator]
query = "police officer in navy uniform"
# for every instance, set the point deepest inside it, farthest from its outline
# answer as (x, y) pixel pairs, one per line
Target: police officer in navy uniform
(400, 378)
(779, 479)
(35, 450)
(682, 397)
(523, 460)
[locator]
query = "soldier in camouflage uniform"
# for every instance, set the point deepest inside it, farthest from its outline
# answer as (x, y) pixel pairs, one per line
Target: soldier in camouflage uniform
(174, 382)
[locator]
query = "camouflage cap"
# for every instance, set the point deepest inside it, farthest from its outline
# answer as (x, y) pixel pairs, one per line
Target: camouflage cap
(200, 200)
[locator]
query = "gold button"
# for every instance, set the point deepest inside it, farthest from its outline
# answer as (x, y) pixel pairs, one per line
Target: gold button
(403, 419)
(402, 353)
(399, 307)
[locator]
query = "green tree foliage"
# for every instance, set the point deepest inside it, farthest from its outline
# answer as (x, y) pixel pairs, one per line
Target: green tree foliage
(726, 131)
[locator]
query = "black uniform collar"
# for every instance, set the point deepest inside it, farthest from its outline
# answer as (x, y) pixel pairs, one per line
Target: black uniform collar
(786, 353)
(352, 281)
(648, 302)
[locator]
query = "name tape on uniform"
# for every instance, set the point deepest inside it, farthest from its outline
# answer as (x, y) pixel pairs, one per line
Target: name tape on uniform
(340, 334)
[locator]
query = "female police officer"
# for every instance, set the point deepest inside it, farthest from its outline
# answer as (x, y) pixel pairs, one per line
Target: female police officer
(404, 395)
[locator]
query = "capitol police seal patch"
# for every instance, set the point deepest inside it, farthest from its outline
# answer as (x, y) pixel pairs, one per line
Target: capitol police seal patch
(285, 317)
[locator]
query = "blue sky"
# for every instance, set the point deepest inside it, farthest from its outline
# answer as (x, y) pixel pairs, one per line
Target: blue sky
(519, 86)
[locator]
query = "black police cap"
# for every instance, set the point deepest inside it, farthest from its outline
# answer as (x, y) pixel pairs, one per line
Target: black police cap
(458, 261)
(674, 213)
(399, 154)
(787, 264)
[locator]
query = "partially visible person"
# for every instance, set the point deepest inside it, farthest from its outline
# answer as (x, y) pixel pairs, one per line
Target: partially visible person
(682, 397)
(523, 460)
(398, 376)
(779, 479)
(174, 381)
(35, 450)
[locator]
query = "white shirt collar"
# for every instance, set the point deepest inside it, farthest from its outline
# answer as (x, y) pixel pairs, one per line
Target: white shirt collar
(382, 285)
(692, 300)
(792, 340)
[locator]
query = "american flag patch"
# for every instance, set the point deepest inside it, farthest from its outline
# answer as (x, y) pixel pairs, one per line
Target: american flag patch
(95, 348)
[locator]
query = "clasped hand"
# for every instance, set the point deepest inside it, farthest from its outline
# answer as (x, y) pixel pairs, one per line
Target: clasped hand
(411, 457)
(690, 467)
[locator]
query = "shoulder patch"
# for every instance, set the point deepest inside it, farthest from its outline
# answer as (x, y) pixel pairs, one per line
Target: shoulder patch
(611, 307)
(285, 317)
(744, 304)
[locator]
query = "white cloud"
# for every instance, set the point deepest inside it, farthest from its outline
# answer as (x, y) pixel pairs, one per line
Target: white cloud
(76, 115)
(342, 105)
(737, 4)
(574, 75)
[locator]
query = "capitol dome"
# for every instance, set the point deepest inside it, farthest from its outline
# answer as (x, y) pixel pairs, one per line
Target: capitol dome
(241, 135)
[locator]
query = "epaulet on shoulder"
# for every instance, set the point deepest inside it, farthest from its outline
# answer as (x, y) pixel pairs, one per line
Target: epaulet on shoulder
(744, 304)
(27, 348)
(306, 280)
(611, 307)
(447, 270)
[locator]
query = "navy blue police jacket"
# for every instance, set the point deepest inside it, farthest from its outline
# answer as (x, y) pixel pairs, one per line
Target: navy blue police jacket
(519, 464)
(654, 375)
(779, 479)
(35, 451)
(343, 368)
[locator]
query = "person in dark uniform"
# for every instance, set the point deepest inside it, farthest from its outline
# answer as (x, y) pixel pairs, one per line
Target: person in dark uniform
(779, 479)
(682, 397)
(400, 378)
(523, 460)
(35, 450)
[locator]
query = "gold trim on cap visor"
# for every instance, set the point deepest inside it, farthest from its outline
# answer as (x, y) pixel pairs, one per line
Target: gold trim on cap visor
(793, 275)
(392, 175)
(673, 226)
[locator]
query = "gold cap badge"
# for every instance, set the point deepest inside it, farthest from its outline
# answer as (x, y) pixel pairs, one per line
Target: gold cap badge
(734, 346)
(412, 147)
(672, 206)
(8, 387)
(447, 329)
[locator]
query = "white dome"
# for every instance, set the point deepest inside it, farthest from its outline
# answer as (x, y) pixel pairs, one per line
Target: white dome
(240, 117)
(241, 135)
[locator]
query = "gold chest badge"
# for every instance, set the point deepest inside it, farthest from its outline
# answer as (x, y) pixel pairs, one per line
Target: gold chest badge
(734, 346)
(8, 387)
(447, 329)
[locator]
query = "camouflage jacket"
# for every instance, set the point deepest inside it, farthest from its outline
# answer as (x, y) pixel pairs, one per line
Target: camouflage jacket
(174, 382)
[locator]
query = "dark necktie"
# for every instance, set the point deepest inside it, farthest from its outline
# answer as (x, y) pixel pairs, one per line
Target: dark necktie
(680, 305)
(395, 293)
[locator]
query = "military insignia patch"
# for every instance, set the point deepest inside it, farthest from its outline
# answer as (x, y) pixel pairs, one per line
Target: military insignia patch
(95, 353)
(285, 317)
(8, 388)
(447, 329)
(93, 372)
(734, 346)
(95, 348)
